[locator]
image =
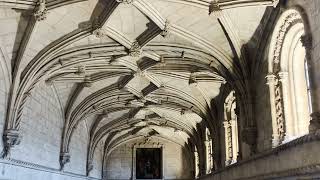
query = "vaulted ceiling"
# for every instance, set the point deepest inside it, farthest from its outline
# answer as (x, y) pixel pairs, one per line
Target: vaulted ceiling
(129, 68)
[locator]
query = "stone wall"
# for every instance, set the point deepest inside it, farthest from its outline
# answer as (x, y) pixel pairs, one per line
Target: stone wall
(41, 130)
(175, 162)
(297, 159)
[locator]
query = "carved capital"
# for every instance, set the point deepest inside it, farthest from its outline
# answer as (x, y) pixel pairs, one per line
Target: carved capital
(64, 159)
(306, 41)
(11, 138)
(89, 167)
(87, 82)
(135, 49)
(99, 33)
(271, 79)
(314, 122)
(249, 136)
(41, 11)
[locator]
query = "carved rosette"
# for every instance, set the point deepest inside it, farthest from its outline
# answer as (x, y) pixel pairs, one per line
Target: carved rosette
(135, 50)
(41, 11)
(11, 138)
(64, 159)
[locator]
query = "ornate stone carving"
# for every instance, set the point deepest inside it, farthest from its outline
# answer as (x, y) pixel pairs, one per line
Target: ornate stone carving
(125, 1)
(99, 33)
(314, 122)
(64, 159)
(10, 138)
(214, 7)
(135, 49)
(41, 11)
(166, 29)
(279, 111)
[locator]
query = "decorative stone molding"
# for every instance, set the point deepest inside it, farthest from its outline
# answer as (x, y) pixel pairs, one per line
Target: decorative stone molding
(125, 1)
(11, 138)
(277, 110)
(135, 50)
(41, 10)
(64, 159)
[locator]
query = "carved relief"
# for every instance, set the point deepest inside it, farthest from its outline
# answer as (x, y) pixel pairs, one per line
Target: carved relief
(135, 49)
(41, 11)
(279, 111)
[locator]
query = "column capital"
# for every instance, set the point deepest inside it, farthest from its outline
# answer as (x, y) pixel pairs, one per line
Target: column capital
(314, 122)
(11, 138)
(64, 159)
(271, 78)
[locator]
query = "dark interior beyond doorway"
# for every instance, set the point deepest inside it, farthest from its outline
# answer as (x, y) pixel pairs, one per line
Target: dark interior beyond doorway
(148, 163)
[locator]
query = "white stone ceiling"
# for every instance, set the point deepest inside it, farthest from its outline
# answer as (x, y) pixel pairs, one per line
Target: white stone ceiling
(161, 85)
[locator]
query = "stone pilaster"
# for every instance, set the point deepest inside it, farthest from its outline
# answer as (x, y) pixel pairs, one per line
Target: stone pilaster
(271, 82)
(290, 126)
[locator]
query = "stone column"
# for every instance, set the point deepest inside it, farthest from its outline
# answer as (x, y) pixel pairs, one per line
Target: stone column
(271, 82)
(226, 126)
(291, 126)
(234, 137)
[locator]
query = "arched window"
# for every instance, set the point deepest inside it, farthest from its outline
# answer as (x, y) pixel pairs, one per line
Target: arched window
(231, 129)
(196, 163)
(288, 79)
(208, 144)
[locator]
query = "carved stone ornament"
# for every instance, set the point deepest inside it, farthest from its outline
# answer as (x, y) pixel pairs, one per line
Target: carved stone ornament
(41, 11)
(64, 159)
(99, 33)
(10, 138)
(166, 29)
(214, 7)
(314, 122)
(135, 50)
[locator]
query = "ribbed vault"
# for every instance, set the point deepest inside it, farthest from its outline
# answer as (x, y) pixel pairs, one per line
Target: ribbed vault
(134, 68)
